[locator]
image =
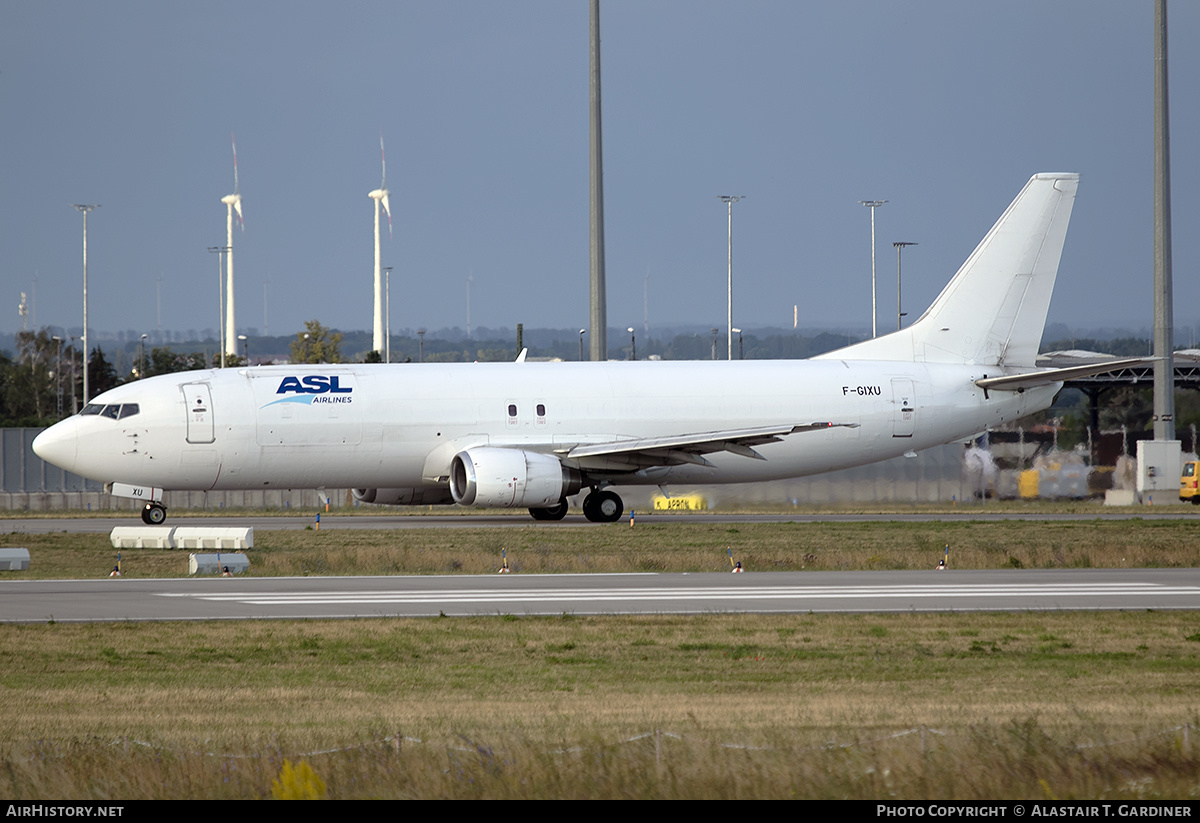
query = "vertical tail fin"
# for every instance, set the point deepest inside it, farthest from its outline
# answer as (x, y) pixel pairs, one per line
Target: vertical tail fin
(994, 309)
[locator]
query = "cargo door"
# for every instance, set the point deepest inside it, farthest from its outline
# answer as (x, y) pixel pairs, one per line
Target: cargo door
(904, 404)
(198, 398)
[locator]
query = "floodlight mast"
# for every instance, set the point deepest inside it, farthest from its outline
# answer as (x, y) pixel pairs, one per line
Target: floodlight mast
(85, 208)
(729, 200)
(470, 281)
(220, 252)
(899, 248)
(1164, 316)
(597, 295)
(872, 205)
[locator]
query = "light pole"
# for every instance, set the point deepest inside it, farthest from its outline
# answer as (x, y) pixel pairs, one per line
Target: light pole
(646, 305)
(142, 357)
(729, 200)
(245, 348)
(632, 344)
(85, 208)
(74, 400)
(582, 332)
(387, 308)
(872, 205)
(219, 251)
(738, 332)
(421, 346)
(899, 248)
(58, 376)
(714, 350)
(470, 280)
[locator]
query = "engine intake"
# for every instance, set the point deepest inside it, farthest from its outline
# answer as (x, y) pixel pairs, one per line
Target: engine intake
(510, 478)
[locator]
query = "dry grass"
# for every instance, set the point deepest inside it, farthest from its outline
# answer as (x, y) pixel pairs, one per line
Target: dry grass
(550, 707)
(919, 706)
(660, 545)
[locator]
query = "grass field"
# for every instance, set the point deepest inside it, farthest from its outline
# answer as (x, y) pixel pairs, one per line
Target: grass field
(657, 545)
(924, 706)
(1045, 705)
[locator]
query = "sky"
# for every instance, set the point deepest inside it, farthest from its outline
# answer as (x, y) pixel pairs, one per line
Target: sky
(944, 109)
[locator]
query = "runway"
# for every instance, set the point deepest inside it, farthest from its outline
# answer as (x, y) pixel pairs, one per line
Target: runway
(107, 600)
(522, 520)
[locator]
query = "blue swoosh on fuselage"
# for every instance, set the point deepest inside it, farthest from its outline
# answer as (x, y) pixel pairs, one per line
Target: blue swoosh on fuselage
(306, 399)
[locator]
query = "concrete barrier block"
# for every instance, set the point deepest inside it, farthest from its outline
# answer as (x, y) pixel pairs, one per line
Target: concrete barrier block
(14, 560)
(142, 537)
(214, 563)
(200, 537)
(1120, 497)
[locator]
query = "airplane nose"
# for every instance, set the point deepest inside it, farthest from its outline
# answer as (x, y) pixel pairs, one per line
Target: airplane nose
(58, 444)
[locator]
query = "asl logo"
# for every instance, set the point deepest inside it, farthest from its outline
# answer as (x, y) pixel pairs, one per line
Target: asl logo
(312, 389)
(312, 384)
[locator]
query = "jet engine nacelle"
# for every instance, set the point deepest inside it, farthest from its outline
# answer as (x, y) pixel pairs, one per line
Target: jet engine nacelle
(404, 497)
(510, 478)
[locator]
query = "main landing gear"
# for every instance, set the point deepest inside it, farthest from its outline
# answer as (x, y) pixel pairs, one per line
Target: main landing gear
(603, 507)
(598, 507)
(154, 514)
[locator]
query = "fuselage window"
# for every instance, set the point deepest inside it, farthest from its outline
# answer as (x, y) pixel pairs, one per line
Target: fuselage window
(512, 410)
(541, 409)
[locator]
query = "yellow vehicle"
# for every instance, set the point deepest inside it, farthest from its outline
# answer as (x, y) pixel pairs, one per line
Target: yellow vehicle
(1189, 482)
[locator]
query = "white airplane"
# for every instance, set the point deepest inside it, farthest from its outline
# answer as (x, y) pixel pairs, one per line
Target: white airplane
(529, 435)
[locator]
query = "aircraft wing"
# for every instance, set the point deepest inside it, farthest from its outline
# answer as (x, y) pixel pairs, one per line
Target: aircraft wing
(689, 448)
(1029, 380)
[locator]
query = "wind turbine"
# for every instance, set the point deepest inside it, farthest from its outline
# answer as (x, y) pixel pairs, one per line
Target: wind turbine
(380, 195)
(233, 202)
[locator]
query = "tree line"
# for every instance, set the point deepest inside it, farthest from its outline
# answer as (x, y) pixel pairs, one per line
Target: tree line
(41, 381)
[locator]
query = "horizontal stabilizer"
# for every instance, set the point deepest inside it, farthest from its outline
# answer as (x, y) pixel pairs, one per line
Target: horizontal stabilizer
(1029, 380)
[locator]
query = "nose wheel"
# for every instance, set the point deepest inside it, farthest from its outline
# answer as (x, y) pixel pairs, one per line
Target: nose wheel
(154, 514)
(603, 507)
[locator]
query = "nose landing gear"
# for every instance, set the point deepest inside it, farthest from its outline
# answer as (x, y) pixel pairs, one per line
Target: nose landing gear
(154, 514)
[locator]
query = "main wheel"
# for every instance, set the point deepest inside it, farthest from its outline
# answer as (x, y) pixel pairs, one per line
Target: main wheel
(603, 507)
(552, 513)
(154, 514)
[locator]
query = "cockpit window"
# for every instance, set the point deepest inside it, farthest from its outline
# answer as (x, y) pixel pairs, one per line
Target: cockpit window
(115, 411)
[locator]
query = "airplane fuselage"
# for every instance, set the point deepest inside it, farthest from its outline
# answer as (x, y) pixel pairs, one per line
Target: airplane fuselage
(391, 426)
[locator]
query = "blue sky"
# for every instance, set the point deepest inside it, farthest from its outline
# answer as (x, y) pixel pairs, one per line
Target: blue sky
(942, 108)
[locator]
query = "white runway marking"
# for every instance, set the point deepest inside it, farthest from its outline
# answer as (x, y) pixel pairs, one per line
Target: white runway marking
(1040, 591)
